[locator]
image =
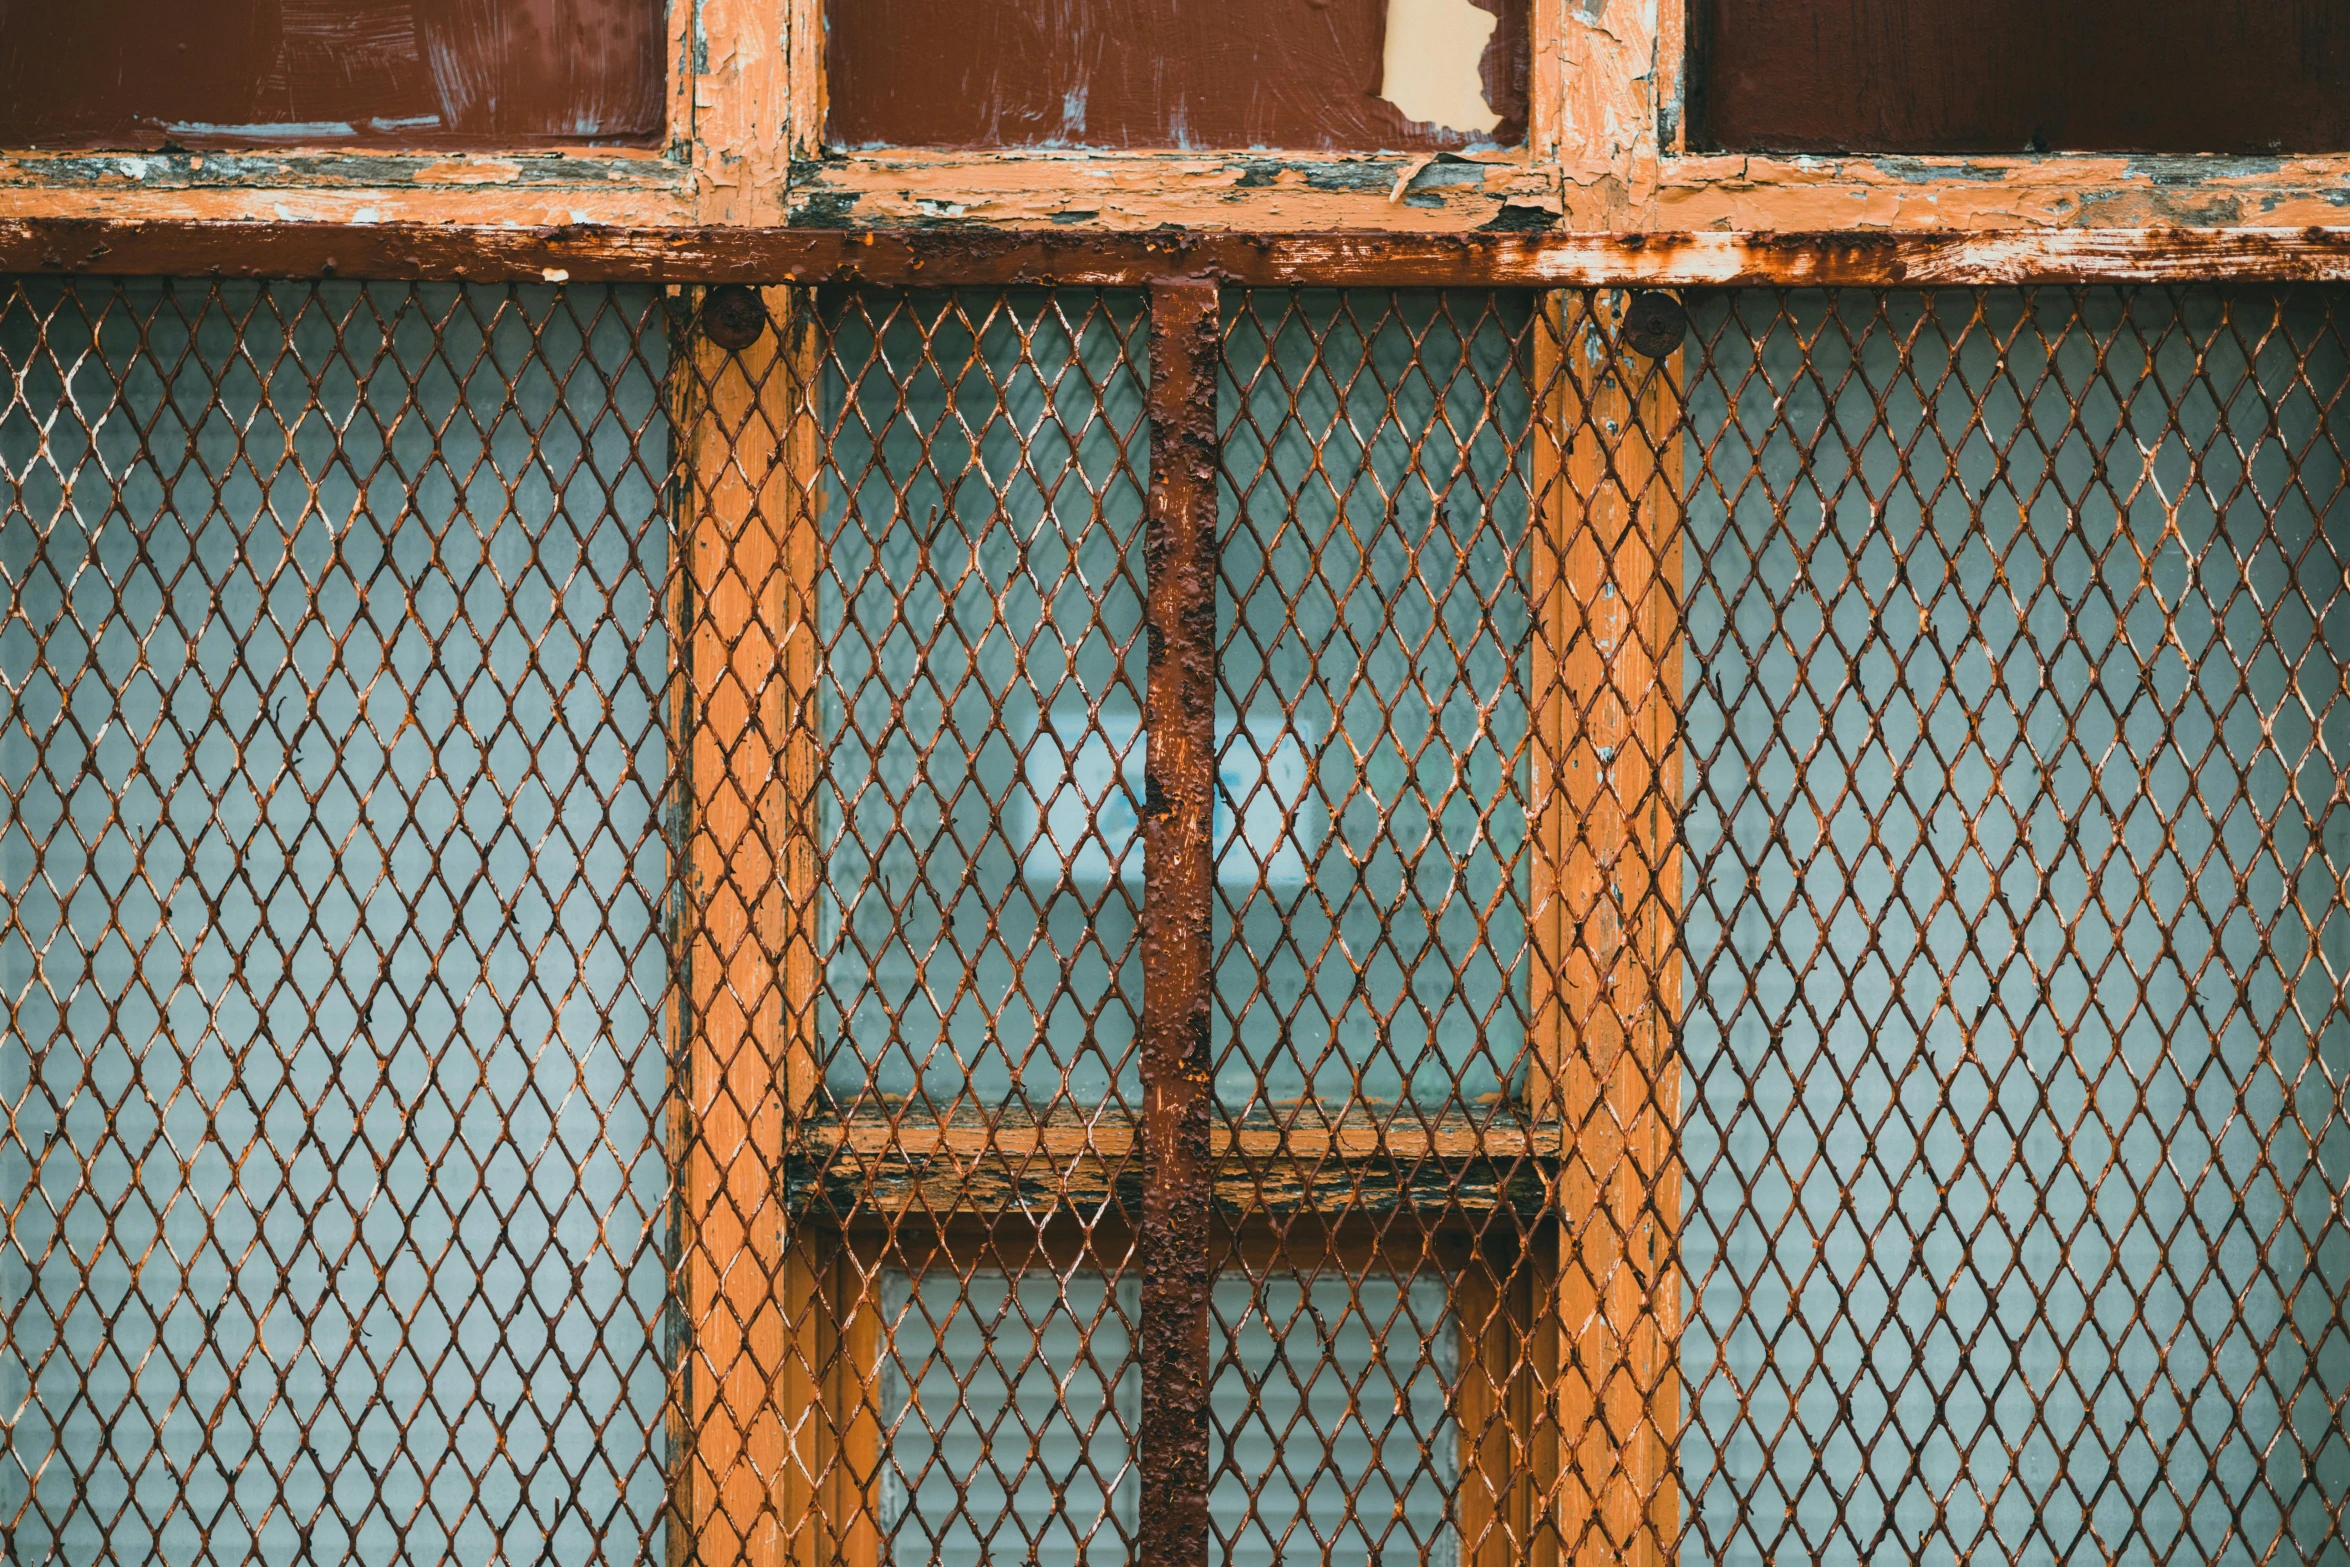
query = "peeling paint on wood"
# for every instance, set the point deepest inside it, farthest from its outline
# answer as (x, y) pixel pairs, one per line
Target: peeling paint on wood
(1239, 192)
(900, 1168)
(179, 169)
(1076, 256)
(1728, 191)
(1251, 191)
(746, 107)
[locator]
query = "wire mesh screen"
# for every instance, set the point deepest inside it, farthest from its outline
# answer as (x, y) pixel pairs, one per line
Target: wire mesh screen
(332, 750)
(585, 924)
(983, 486)
(2017, 631)
(1373, 907)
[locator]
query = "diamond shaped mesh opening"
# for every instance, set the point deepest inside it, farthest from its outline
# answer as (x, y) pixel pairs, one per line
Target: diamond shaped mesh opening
(1010, 1402)
(1372, 722)
(2015, 935)
(1776, 960)
(332, 759)
(981, 605)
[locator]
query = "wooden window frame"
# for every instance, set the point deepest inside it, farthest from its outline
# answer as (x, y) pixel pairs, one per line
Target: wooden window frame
(1569, 1399)
(1567, 1433)
(1604, 176)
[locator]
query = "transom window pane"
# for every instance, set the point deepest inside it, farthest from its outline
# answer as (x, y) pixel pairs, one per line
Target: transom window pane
(1009, 1404)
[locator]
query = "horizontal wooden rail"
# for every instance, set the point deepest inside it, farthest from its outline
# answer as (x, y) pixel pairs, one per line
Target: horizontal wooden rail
(939, 258)
(877, 1165)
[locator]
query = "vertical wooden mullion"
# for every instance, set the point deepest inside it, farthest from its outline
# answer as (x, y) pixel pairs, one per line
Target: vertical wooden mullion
(1508, 1446)
(1179, 751)
(772, 1391)
(1607, 673)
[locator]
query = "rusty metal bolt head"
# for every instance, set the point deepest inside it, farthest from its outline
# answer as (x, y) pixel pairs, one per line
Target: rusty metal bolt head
(733, 316)
(1654, 324)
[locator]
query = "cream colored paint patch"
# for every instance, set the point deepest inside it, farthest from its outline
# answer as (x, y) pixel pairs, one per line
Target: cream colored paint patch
(1430, 67)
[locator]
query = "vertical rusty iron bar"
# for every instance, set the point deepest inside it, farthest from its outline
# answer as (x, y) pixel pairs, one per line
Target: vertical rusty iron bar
(1179, 719)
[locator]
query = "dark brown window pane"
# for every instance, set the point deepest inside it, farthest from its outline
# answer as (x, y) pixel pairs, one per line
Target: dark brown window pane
(420, 73)
(1214, 73)
(2248, 76)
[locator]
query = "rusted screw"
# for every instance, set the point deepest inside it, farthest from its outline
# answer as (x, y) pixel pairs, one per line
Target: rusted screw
(1654, 324)
(733, 316)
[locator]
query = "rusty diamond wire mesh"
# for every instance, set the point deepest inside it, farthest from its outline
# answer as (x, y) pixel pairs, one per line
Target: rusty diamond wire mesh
(332, 741)
(981, 604)
(2015, 930)
(1779, 928)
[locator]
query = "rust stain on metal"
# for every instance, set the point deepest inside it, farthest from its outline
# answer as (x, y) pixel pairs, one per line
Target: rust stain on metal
(1179, 722)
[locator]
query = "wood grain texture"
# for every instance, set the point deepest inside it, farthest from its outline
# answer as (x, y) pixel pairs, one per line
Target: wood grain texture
(746, 629)
(1611, 65)
(1509, 1360)
(830, 1485)
(739, 63)
(486, 74)
(1160, 73)
(1607, 993)
(2214, 213)
(877, 1166)
(586, 253)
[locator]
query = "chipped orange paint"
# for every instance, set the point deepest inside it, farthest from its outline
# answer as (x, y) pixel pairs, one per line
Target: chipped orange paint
(1192, 190)
(743, 106)
(1208, 192)
(1606, 80)
(747, 111)
(1792, 194)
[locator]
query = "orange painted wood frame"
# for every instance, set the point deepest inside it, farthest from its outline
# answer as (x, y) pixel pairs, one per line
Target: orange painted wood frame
(1606, 895)
(1569, 1402)
(745, 1428)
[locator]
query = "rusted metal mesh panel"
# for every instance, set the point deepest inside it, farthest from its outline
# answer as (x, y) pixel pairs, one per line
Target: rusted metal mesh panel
(982, 486)
(2014, 929)
(1370, 1032)
(332, 757)
(1304, 926)
(981, 603)
(1371, 615)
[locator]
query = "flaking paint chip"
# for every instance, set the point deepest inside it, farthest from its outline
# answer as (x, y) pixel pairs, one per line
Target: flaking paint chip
(1431, 69)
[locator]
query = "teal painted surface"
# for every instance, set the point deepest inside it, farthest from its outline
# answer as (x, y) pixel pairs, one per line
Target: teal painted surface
(1010, 1406)
(1373, 612)
(2015, 1035)
(982, 512)
(983, 508)
(331, 737)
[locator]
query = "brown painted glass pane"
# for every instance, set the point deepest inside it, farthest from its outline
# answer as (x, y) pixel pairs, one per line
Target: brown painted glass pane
(376, 73)
(1308, 74)
(2254, 76)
